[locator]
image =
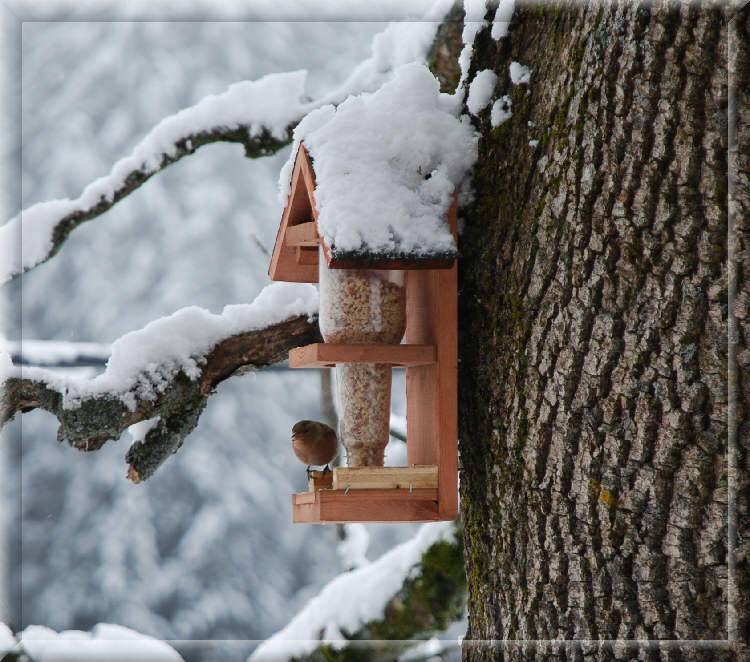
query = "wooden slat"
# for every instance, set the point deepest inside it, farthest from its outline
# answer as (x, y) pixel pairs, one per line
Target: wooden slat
(368, 478)
(431, 390)
(300, 207)
(302, 234)
(336, 506)
(321, 480)
(362, 496)
(321, 355)
(305, 512)
(307, 256)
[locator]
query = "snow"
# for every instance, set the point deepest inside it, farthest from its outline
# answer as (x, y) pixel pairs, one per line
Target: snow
(501, 110)
(501, 21)
(400, 43)
(386, 165)
(395, 454)
(7, 369)
(481, 90)
(533, 143)
(474, 11)
(143, 362)
(426, 650)
(268, 11)
(398, 424)
(112, 643)
(351, 599)
(7, 640)
(352, 550)
(271, 102)
(24, 245)
(138, 431)
(519, 74)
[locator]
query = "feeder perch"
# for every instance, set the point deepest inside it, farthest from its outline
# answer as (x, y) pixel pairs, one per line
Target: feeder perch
(426, 489)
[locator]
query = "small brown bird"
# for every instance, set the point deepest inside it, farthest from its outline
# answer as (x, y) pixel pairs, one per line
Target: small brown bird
(314, 443)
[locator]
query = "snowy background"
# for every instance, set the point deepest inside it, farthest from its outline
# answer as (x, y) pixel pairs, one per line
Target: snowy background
(206, 549)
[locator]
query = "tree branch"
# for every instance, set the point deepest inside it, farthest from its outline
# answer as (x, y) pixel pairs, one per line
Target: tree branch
(260, 115)
(179, 404)
(263, 144)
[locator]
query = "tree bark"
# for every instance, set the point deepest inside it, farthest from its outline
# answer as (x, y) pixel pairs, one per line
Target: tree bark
(594, 393)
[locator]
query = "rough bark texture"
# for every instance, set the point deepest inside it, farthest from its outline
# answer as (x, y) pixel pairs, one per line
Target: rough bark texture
(442, 58)
(593, 339)
(739, 321)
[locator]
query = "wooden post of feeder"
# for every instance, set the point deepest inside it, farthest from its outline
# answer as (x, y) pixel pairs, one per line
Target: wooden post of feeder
(431, 390)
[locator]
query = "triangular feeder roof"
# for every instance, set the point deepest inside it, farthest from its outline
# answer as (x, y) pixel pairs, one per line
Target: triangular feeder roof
(295, 253)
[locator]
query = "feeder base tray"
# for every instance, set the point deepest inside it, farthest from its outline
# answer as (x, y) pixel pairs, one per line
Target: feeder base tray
(378, 505)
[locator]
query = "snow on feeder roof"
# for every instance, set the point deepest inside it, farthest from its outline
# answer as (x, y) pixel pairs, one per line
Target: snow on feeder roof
(373, 179)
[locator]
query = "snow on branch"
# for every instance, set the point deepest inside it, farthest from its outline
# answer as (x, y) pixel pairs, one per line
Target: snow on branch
(165, 371)
(260, 115)
(414, 589)
(104, 642)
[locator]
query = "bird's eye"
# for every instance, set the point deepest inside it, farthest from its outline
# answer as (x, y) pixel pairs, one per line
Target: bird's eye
(301, 426)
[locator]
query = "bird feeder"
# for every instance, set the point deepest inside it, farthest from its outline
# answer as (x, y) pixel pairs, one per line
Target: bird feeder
(426, 489)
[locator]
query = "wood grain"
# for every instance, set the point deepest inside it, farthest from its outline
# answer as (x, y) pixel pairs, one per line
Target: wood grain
(431, 390)
(300, 208)
(303, 234)
(325, 355)
(307, 257)
(320, 480)
(336, 506)
(368, 478)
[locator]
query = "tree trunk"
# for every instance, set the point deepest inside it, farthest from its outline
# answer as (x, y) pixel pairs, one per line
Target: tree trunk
(593, 338)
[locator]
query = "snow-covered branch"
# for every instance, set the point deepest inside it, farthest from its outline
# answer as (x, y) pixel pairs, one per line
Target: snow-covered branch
(260, 115)
(164, 374)
(413, 590)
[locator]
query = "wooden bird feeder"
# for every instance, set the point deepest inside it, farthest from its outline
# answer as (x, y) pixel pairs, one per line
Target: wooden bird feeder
(426, 489)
